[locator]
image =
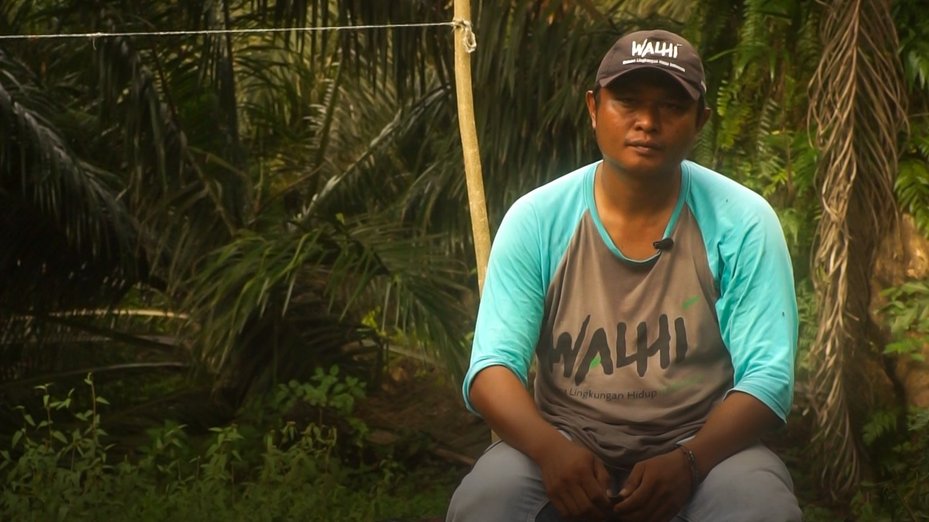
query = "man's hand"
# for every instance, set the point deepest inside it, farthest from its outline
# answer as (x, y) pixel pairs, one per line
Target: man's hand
(656, 490)
(576, 481)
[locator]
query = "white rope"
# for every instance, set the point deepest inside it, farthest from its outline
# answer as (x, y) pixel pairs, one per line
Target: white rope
(467, 38)
(456, 24)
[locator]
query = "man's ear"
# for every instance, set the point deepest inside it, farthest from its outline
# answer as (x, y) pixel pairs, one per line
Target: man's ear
(703, 117)
(592, 108)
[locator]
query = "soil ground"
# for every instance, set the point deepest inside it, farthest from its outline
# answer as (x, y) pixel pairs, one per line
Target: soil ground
(417, 399)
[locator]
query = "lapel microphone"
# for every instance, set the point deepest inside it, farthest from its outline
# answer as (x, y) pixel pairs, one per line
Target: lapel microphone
(663, 244)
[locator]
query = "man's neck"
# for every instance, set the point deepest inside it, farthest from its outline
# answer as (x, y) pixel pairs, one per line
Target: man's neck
(636, 198)
(635, 211)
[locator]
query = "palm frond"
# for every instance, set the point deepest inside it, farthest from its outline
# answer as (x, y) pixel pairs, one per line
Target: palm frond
(673, 9)
(422, 295)
(47, 191)
(325, 279)
(46, 345)
(166, 177)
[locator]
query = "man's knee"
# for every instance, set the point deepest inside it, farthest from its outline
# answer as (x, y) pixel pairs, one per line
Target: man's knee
(504, 485)
(752, 485)
(478, 495)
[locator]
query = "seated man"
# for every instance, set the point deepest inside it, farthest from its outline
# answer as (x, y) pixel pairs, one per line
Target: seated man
(658, 298)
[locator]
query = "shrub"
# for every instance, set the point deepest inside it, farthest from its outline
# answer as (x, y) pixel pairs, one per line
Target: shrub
(291, 473)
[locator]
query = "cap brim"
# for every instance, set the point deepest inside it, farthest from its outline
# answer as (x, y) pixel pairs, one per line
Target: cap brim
(690, 89)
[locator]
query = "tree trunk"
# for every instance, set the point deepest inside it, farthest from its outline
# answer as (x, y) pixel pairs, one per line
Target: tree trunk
(904, 256)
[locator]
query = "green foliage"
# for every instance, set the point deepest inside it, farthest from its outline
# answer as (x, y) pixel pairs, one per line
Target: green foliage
(757, 63)
(908, 312)
(900, 443)
(897, 440)
(881, 423)
(325, 389)
(55, 473)
(912, 184)
(55, 467)
(327, 395)
(806, 312)
(90, 239)
(812, 513)
(914, 48)
(270, 306)
(259, 186)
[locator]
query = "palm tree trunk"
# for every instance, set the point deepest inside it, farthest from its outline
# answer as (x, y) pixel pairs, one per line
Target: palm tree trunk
(857, 108)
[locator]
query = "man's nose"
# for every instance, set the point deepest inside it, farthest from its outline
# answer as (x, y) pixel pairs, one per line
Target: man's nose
(647, 117)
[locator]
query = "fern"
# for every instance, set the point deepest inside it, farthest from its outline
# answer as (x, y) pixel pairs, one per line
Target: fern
(912, 184)
(881, 423)
(914, 50)
(912, 191)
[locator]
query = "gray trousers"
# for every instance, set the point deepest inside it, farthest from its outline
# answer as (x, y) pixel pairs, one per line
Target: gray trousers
(505, 485)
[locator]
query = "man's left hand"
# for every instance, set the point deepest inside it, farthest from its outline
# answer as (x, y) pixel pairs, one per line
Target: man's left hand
(656, 490)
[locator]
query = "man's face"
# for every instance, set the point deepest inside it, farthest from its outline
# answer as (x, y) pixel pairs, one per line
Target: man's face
(645, 123)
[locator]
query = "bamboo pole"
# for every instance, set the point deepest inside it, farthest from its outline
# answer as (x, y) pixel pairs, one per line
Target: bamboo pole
(477, 205)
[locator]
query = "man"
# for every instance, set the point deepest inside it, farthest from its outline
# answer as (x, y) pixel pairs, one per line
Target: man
(658, 298)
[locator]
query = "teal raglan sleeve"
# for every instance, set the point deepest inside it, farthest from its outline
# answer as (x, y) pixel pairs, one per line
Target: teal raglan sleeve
(757, 308)
(510, 313)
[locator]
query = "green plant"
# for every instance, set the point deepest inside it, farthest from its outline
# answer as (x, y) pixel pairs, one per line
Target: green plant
(167, 456)
(55, 467)
(325, 390)
(897, 440)
(326, 397)
(58, 468)
(908, 311)
(912, 184)
(899, 444)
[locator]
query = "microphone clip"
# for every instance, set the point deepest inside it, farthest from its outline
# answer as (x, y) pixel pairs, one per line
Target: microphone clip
(664, 244)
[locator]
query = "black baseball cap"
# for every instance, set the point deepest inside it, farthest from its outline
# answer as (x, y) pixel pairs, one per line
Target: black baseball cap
(656, 49)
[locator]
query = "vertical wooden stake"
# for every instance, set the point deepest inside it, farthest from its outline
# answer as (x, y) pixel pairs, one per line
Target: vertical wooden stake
(472, 156)
(477, 204)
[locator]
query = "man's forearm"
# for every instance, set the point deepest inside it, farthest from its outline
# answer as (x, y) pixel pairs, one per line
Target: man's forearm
(735, 424)
(506, 405)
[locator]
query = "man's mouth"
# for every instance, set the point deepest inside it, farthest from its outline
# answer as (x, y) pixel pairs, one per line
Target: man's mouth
(643, 147)
(642, 144)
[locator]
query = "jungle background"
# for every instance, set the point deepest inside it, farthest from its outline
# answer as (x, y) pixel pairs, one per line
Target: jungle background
(237, 277)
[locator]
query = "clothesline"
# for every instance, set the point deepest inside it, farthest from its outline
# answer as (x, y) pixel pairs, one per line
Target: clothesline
(469, 38)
